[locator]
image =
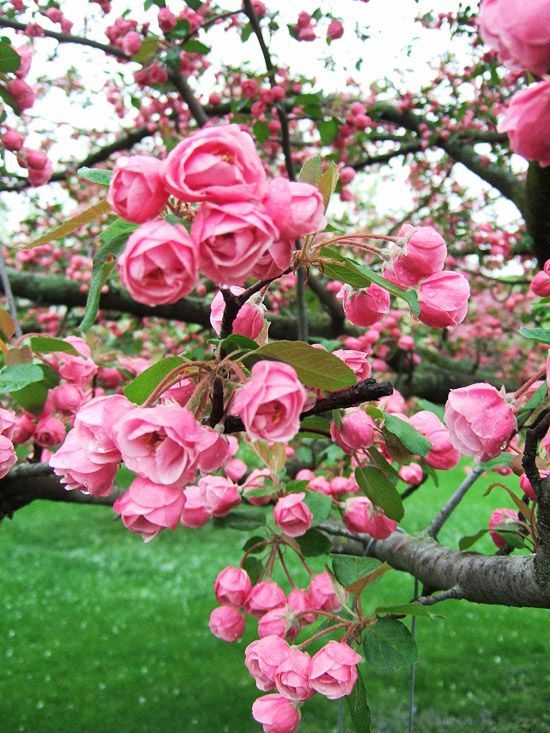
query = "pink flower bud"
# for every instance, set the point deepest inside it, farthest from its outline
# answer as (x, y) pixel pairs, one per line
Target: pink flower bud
(131, 43)
(356, 360)
(334, 670)
(148, 508)
(540, 284)
(527, 487)
(444, 299)
(355, 432)
(364, 307)
(136, 191)
(22, 93)
(195, 512)
(335, 30)
(502, 519)
(167, 20)
(49, 432)
(226, 623)
(423, 254)
(8, 459)
(276, 714)
(36, 159)
(525, 121)
(279, 621)
(12, 140)
(235, 469)
(470, 431)
(292, 676)
(296, 208)
(442, 455)
(262, 657)
(220, 495)
(249, 321)
(259, 478)
(411, 474)
(25, 53)
(265, 596)
(357, 514)
(292, 515)
(232, 586)
(322, 593)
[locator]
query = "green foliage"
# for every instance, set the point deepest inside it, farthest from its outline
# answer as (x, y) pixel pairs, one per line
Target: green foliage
(380, 491)
(319, 505)
(350, 568)
(358, 707)
(46, 344)
(95, 175)
(244, 518)
(9, 58)
(145, 383)
(408, 436)
(389, 645)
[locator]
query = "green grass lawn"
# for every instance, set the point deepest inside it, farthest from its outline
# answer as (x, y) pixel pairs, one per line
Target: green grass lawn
(101, 633)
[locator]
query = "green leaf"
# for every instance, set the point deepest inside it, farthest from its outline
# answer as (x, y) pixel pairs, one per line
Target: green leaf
(308, 99)
(18, 376)
(145, 383)
(311, 171)
(349, 568)
(236, 342)
(505, 459)
(537, 334)
(32, 398)
(8, 99)
(537, 398)
(244, 518)
(124, 477)
(261, 131)
(314, 423)
(296, 485)
(328, 130)
(147, 51)
(380, 491)
(45, 344)
(114, 239)
(431, 407)
(314, 543)
(466, 542)
(194, 4)
(386, 468)
(314, 367)
(327, 182)
(251, 541)
(412, 440)
(194, 46)
(320, 506)
(358, 707)
(389, 646)
(87, 216)
(246, 33)
(408, 609)
(96, 175)
(253, 567)
(9, 58)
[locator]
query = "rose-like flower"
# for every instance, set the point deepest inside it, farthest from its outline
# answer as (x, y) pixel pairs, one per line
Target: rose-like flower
(526, 122)
(526, 485)
(232, 586)
(442, 454)
(95, 422)
(274, 260)
(280, 621)
(23, 94)
(540, 284)
(277, 714)
(423, 254)
(195, 512)
(25, 53)
(357, 362)
(479, 420)
(322, 593)
(13, 140)
(259, 479)
(444, 299)
(502, 519)
(411, 474)
(296, 208)
(270, 403)
(334, 670)
(67, 397)
(148, 508)
(262, 657)
(162, 443)
(77, 368)
(227, 623)
(158, 264)
(335, 30)
(380, 526)
(263, 597)
(292, 675)
(231, 238)
(364, 307)
(136, 191)
(518, 31)
(217, 164)
(220, 495)
(49, 432)
(355, 431)
(249, 321)
(293, 515)
(357, 514)
(8, 458)
(299, 601)
(215, 454)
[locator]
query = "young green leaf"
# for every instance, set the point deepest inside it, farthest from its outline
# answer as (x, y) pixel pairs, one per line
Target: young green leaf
(46, 344)
(314, 543)
(358, 707)
(319, 505)
(389, 646)
(350, 568)
(380, 491)
(145, 383)
(95, 175)
(10, 60)
(411, 439)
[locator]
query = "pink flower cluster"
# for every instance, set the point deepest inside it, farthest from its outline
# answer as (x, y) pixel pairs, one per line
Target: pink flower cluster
(244, 225)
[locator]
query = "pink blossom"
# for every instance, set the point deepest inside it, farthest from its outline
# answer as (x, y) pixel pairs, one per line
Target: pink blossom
(220, 495)
(518, 31)
(49, 432)
(355, 431)
(279, 621)
(277, 714)
(136, 191)
(262, 658)
(216, 164)
(540, 284)
(258, 479)
(195, 512)
(148, 508)
(265, 596)
(25, 53)
(131, 43)
(502, 519)
(163, 443)
(296, 208)
(231, 238)
(67, 397)
(8, 458)
(95, 422)
(249, 321)
(12, 140)
(292, 675)
(158, 264)
(335, 30)
(411, 474)
(442, 454)
(334, 670)
(23, 95)
(270, 403)
(322, 593)
(357, 514)
(227, 623)
(274, 260)
(444, 299)
(357, 362)
(232, 586)
(479, 420)
(293, 515)
(526, 120)
(422, 254)
(364, 307)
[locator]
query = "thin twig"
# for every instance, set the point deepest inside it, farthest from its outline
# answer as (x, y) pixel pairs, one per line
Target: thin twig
(435, 527)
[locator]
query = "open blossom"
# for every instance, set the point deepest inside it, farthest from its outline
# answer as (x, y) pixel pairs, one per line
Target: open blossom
(262, 658)
(280, 621)
(231, 238)
(423, 254)
(159, 263)
(95, 422)
(444, 299)
(334, 670)
(357, 362)
(249, 321)
(217, 164)
(136, 191)
(526, 122)
(292, 675)
(77, 368)
(148, 508)
(8, 458)
(227, 623)
(296, 208)
(270, 403)
(220, 495)
(276, 713)
(506, 519)
(519, 32)
(162, 443)
(81, 469)
(479, 420)
(293, 515)
(442, 454)
(364, 307)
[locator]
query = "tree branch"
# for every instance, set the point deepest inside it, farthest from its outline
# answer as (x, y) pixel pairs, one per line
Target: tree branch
(435, 527)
